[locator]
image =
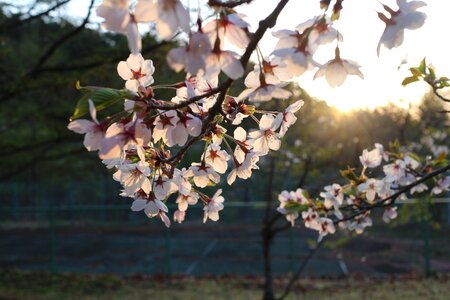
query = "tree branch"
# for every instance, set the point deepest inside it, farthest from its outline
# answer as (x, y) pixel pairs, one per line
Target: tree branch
(300, 269)
(33, 17)
(265, 24)
(391, 199)
(228, 4)
(51, 50)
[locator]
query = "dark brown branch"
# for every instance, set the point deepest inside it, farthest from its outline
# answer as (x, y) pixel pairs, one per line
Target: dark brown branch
(33, 17)
(300, 269)
(435, 91)
(265, 24)
(388, 201)
(95, 64)
(51, 50)
(228, 4)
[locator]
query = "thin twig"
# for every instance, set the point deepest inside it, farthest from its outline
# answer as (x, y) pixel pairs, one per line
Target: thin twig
(300, 269)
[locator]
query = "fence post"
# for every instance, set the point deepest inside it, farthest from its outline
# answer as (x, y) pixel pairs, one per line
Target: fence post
(291, 249)
(168, 252)
(52, 240)
(426, 245)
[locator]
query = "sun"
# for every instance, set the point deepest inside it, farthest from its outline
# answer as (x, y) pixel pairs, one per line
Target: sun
(382, 75)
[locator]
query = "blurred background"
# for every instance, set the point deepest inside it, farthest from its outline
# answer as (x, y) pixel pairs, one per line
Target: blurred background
(61, 212)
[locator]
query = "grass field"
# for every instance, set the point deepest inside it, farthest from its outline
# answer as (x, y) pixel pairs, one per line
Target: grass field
(29, 285)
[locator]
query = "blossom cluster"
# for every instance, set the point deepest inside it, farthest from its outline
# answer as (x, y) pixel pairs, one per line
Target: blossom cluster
(146, 142)
(384, 177)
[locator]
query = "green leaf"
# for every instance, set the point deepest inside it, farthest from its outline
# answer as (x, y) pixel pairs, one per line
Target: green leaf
(101, 97)
(293, 206)
(432, 74)
(414, 156)
(349, 174)
(423, 67)
(409, 80)
(415, 72)
(394, 146)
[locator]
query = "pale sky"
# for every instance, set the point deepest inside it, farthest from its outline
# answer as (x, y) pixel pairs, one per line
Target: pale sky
(361, 30)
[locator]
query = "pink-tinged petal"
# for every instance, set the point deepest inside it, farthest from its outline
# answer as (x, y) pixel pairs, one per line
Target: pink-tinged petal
(114, 129)
(165, 219)
(231, 178)
(320, 73)
(134, 38)
(352, 68)
(110, 148)
(147, 67)
(240, 134)
(201, 181)
(132, 85)
(81, 126)
(116, 18)
(92, 140)
(179, 135)
(92, 111)
(294, 107)
(146, 11)
(146, 186)
(166, 30)
(245, 94)
(280, 93)
(183, 17)
(135, 61)
(194, 126)
(138, 204)
(237, 36)
(231, 66)
(252, 79)
(335, 74)
(124, 71)
(266, 122)
(274, 144)
(177, 58)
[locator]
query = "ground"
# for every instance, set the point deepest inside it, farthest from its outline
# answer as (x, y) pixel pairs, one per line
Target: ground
(36, 285)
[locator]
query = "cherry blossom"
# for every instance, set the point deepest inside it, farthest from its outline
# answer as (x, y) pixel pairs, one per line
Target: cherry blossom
(370, 159)
(152, 208)
(371, 187)
(92, 130)
(223, 60)
(118, 136)
(231, 28)
(337, 69)
(136, 71)
(217, 158)
(390, 214)
(292, 49)
(395, 171)
(406, 17)
(213, 206)
(262, 88)
(266, 137)
(289, 117)
(204, 174)
(192, 56)
(441, 185)
(169, 15)
(119, 19)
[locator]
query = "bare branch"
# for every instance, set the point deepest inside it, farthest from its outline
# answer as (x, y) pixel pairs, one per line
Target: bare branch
(388, 201)
(265, 24)
(33, 17)
(228, 4)
(300, 269)
(51, 50)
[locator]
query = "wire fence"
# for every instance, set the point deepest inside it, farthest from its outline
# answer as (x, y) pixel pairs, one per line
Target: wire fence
(111, 238)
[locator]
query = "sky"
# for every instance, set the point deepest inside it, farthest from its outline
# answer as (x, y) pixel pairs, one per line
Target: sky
(361, 29)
